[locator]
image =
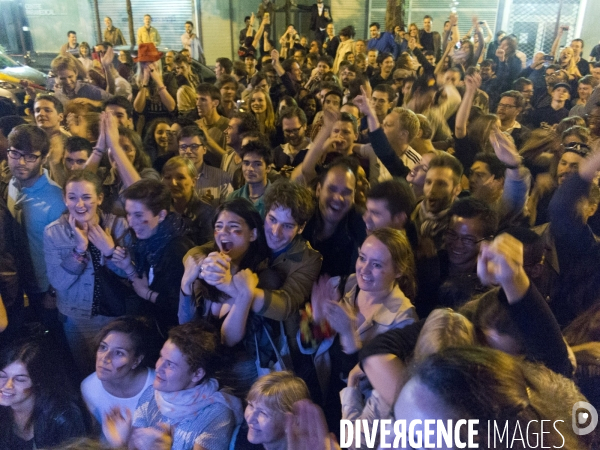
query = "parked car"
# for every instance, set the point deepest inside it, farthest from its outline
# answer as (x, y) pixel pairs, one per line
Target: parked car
(9, 66)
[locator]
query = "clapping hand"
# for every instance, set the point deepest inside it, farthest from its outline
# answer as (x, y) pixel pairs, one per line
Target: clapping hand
(117, 427)
(153, 439)
(324, 291)
(216, 271)
(504, 147)
(473, 82)
(306, 428)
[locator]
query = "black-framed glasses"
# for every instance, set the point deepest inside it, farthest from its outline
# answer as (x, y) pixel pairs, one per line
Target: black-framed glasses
(191, 147)
(467, 241)
(28, 157)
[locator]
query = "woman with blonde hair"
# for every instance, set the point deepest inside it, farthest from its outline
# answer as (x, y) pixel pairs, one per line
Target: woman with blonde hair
(179, 175)
(262, 108)
(413, 32)
(269, 400)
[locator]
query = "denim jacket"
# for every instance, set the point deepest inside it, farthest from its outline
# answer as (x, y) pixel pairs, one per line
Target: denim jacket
(72, 279)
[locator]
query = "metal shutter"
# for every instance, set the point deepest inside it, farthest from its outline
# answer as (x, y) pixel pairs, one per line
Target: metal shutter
(167, 17)
(440, 11)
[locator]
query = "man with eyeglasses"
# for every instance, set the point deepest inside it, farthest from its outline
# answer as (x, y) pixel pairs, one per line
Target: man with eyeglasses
(213, 185)
(449, 278)
(509, 107)
(35, 201)
(289, 155)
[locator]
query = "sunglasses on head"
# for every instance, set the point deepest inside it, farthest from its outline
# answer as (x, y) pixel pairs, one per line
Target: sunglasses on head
(577, 147)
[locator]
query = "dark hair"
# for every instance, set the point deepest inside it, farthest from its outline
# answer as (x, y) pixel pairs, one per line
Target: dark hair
(248, 122)
(29, 138)
(494, 387)
(76, 144)
(119, 100)
(7, 123)
(387, 89)
(489, 63)
(381, 57)
(578, 40)
(449, 161)
(152, 193)
(191, 131)
(520, 83)
(180, 59)
(226, 64)
(258, 149)
(286, 194)
(519, 100)
(495, 166)
(226, 79)
(150, 145)
(375, 24)
(258, 250)
(423, 85)
(70, 32)
(397, 194)
(140, 331)
(289, 112)
(209, 89)
(335, 91)
(141, 160)
(472, 208)
(288, 64)
(200, 345)
(189, 22)
(427, 16)
(326, 59)
(511, 42)
(348, 31)
(50, 386)
(51, 98)
(533, 244)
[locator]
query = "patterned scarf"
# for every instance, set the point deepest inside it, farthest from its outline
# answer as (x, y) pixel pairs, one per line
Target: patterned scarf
(146, 253)
(189, 403)
(432, 224)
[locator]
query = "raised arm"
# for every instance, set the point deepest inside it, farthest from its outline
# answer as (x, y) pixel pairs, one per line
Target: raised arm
(305, 172)
(472, 83)
(261, 29)
(556, 42)
(127, 173)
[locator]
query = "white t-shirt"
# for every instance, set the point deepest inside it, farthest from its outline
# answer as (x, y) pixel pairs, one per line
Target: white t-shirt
(99, 401)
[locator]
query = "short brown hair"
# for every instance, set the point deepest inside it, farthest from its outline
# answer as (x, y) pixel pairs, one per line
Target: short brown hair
(290, 195)
(199, 344)
(29, 138)
(152, 193)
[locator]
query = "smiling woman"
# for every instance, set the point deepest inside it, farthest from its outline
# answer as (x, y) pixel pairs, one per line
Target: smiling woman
(85, 278)
(33, 383)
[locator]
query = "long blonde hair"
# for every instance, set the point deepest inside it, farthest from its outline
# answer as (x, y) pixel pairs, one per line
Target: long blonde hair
(268, 126)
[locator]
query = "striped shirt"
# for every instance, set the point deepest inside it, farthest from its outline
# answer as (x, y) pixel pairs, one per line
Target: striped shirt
(410, 158)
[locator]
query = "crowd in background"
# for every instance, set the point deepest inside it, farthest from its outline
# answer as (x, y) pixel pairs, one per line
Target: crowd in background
(403, 227)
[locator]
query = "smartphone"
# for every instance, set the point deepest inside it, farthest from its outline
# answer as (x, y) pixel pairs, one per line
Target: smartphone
(481, 23)
(548, 58)
(566, 27)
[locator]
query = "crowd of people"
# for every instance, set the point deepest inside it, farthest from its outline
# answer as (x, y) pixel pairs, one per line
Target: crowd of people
(403, 227)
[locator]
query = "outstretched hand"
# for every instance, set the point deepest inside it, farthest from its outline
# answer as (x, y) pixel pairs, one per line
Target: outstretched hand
(504, 147)
(501, 263)
(473, 82)
(117, 427)
(306, 428)
(324, 291)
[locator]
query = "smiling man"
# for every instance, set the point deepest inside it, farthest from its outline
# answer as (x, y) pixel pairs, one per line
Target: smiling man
(213, 184)
(336, 228)
(48, 113)
(442, 186)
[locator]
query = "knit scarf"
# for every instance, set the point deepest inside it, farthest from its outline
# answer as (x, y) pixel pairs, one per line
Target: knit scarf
(432, 224)
(191, 402)
(147, 253)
